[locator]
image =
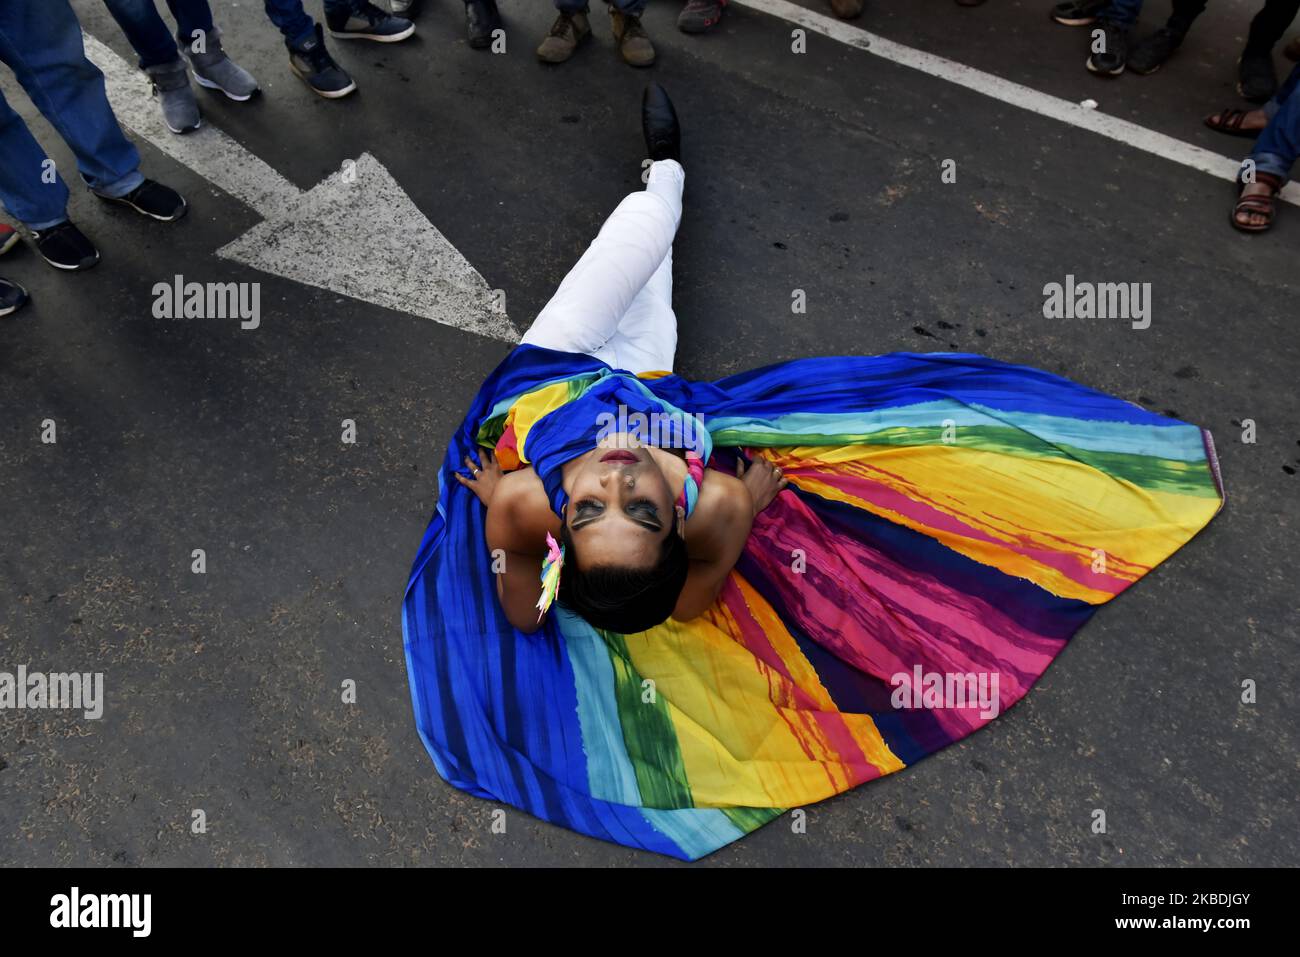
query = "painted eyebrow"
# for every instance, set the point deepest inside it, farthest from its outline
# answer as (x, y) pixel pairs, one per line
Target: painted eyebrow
(580, 525)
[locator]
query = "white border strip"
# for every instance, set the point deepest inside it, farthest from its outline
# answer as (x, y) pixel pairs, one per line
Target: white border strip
(1027, 98)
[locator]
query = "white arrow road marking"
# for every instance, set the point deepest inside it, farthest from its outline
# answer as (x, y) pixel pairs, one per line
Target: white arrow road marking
(362, 237)
(1027, 98)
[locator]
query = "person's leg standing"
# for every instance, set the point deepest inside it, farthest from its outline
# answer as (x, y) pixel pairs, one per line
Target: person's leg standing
(309, 60)
(633, 43)
(41, 43)
(160, 59)
(145, 30)
(31, 189)
(1278, 144)
(293, 22)
(200, 40)
(1256, 76)
(570, 29)
(1108, 39)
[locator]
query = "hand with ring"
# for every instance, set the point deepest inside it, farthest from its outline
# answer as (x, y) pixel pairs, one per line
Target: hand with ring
(483, 480)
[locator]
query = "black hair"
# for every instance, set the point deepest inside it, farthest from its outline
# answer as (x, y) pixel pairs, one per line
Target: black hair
(621, 599)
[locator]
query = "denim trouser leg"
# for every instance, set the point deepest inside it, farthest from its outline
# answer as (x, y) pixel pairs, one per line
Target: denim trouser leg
(1283, 93)
(1278, 144)
(1122, 13)
(293, 21)
(23, 189)
(192, 17)
(41, 43)
(145, 30)
(632, 8)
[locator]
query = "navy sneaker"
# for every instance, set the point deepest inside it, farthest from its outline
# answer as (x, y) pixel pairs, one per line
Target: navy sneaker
(368, 22)
(154, 200)
(312, 64)
(64, 246)
(1114, 51)
(12, 297)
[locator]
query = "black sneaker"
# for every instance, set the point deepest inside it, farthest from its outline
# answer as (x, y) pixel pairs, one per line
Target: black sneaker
(481, 18)
(1078, 13)
(65, 247)
(368, 22)
(1150, 54)
(12, 297)
(1110, 62)
(312, 64)
(1256, 79)
(154, 200)
(663, 134)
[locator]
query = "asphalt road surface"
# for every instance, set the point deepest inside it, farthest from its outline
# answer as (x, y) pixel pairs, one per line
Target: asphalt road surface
(818, 171)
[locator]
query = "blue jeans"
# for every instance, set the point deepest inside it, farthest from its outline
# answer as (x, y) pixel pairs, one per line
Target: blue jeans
(148, 34)
(295, 23)
(1278, 144)
(632, 8)
(144, 27)
(1124, 13)
(40, 40)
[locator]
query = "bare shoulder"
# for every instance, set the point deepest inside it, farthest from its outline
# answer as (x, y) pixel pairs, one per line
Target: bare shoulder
(723, 505)
(520, 514)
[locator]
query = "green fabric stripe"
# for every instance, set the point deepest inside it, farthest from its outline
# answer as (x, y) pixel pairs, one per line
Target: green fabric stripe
(648, 734)
(1167, 475)
(750, 819)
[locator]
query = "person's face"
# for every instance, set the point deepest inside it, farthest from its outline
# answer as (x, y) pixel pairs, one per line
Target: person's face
(620, 505)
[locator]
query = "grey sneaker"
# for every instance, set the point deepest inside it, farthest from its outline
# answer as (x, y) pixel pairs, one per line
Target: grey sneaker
(216, 71)
(171, 84)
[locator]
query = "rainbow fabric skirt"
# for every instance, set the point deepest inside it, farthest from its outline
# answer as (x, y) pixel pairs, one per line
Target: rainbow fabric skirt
(951, 521)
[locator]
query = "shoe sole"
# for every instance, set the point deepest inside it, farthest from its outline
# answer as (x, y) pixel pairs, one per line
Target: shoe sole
(179, 214)
(328, 94)
(1092, 69)
(183, 130)
(209, 85)
(1076, 21)
(377, 37)
(9, 243)
(77, 268)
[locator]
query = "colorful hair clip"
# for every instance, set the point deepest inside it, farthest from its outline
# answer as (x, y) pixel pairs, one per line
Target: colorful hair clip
(551, 565)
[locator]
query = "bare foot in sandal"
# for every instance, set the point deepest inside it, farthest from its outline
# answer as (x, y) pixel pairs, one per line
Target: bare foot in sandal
(1237, 122)
(1257, 204)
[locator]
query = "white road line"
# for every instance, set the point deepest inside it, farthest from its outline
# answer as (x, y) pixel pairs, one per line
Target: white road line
(359, 236)
(1027, 98)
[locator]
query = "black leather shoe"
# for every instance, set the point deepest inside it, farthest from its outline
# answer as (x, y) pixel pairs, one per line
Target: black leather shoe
(663, 135)
(481, 18)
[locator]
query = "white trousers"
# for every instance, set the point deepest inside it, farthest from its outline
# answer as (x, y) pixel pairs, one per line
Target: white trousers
(616, 304)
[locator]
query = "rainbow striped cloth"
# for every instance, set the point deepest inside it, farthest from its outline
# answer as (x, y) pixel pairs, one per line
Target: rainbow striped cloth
(951, 521)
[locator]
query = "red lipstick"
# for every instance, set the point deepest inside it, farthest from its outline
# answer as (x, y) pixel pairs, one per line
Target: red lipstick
(620, 456)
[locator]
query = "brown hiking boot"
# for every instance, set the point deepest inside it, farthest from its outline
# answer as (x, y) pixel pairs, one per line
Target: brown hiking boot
(567, 32)
(846, 9)
(631, 38)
